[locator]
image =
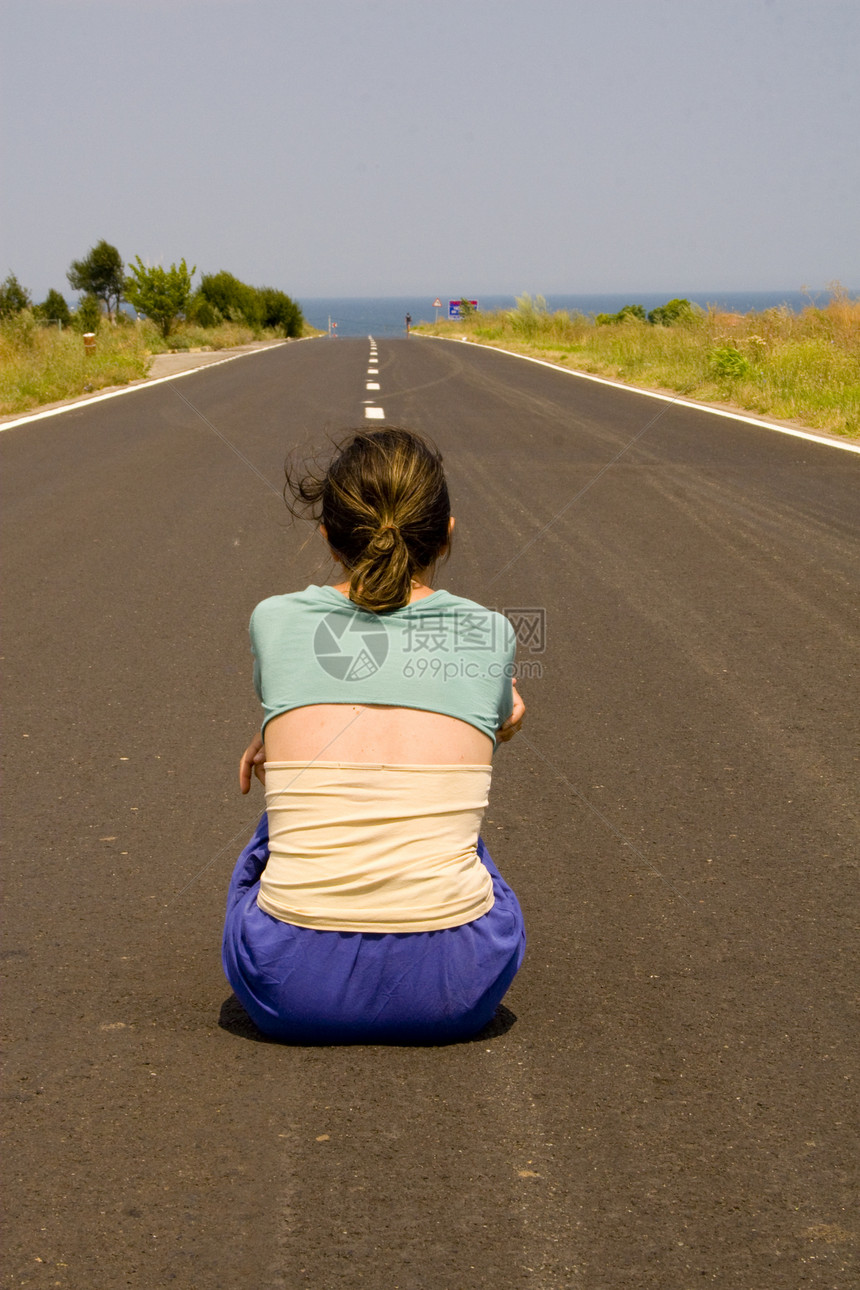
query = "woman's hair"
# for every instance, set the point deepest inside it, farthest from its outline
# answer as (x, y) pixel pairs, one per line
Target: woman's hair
(384, 502)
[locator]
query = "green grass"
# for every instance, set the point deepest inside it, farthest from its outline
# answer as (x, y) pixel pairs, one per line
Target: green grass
(41, 365)
(799, 367)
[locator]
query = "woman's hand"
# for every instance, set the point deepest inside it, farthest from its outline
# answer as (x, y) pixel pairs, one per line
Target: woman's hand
(515, 720)
(252, 760)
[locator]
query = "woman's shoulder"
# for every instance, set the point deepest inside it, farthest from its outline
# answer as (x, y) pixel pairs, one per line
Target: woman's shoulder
(291, 603)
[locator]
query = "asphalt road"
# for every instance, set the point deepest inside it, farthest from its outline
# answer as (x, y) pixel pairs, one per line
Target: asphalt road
(668, 1101)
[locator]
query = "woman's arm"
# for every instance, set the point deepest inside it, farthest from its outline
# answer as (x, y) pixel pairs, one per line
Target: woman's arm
(252, 760)
(514, 721)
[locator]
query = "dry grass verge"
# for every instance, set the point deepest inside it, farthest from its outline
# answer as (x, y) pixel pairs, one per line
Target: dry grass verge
(800, 367)
(40, 364)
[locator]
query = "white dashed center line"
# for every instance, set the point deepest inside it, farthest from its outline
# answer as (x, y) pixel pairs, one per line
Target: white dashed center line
(373, 413)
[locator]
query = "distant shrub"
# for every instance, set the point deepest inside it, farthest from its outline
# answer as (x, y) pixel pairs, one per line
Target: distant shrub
(88, 314)
(628, 314)
(673, 312)
(279, 312)
(20, 329)
(202, 313)
(235, 301)
(530, 315)
(221, 298)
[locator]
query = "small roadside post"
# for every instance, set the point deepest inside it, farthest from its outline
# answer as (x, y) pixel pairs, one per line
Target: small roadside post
(89, 342)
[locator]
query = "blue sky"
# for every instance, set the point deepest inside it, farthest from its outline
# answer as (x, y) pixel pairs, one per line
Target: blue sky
(391, 147)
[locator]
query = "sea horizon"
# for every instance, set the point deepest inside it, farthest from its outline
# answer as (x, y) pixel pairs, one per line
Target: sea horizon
(386, 315)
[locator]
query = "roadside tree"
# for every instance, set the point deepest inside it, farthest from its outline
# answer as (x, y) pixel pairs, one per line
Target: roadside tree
(100, 273)
(160, 294)
(54, 309)
(13, 297)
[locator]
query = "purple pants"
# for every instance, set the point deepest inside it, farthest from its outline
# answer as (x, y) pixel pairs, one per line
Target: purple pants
(325, 987)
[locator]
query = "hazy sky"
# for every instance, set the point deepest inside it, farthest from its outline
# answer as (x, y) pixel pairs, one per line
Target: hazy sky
(385, 147)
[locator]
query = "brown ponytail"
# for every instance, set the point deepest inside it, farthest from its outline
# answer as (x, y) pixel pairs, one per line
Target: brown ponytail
(384, 502)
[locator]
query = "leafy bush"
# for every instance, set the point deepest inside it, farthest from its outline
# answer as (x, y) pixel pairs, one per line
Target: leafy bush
(628, 314)
(88, 314)
(673, 312)
(729, 363)
(201, 312)
(221, 297)
(234, 300)
(20, 329)
(280, 312)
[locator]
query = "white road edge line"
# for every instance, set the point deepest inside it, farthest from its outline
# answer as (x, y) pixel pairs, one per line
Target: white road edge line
(652, 394)
(133, 389)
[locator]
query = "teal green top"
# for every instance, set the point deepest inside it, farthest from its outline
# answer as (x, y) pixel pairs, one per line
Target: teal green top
(440, 654)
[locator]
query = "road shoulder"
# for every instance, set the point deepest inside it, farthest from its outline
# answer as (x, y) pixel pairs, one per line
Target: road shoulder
(164, 367)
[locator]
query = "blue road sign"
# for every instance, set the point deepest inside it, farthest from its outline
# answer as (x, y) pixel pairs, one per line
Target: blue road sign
(454, 308)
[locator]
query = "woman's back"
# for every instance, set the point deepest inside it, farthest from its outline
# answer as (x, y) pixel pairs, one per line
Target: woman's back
(375, 733)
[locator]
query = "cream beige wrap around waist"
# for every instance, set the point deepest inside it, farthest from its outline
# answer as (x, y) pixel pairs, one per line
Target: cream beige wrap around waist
(356, 847)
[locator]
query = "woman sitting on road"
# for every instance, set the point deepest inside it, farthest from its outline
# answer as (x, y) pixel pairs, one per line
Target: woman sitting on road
(366, 907)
